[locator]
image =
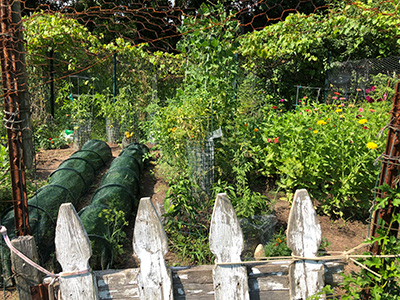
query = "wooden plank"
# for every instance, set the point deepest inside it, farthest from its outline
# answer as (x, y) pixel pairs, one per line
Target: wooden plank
(150, 245)
(73, 252)
(266, 281)
(117, 284)
(26, 275)
(226, 242)
(304, 238)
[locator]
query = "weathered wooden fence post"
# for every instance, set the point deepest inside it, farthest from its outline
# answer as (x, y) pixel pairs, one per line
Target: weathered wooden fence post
(226, 242)
(73, 252)
(150, 244)
(27, 276)
(304, 238)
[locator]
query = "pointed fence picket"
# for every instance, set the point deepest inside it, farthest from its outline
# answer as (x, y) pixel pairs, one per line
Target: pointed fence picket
(229, 278)
(73, 252)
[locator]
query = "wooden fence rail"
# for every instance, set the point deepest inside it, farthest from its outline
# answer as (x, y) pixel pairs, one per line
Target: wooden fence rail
(229, 278)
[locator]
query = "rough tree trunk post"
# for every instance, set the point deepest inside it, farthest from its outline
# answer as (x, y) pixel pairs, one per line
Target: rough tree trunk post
(27, 275)
(23, 94)
(73, 252)
(150, 245)
(226, 242)
(304, 238)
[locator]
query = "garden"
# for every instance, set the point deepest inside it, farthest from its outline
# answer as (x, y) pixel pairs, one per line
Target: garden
(255, 114)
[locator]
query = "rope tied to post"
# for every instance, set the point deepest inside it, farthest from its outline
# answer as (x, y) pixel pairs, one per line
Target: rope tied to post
(3, 232)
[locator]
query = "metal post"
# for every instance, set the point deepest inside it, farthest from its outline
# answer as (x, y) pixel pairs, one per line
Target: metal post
(114, 76)
(12, 90)
(389, 173)
(52, 82)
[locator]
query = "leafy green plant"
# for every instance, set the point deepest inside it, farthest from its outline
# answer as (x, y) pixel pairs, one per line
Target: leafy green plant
(325, 149)
(46, 138)
(277, 246)
(187, 223)
(383, 283)
(116, 222)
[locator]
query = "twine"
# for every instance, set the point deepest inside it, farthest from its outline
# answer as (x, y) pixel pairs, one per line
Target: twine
(343, 255)
(55, 277)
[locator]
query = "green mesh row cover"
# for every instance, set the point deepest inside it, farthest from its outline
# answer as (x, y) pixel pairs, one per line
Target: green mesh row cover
(118, 192)
(68, 183)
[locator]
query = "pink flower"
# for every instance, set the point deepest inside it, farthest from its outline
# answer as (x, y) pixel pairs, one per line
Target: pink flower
(342, 103)
(342, 98)
(358, 90)
(361, 109)
(385, 96)
(365, 127)
(269, 140)
(369, 99)
(368, 91)
(372, 88)
(351, 142)
(334, 97)
(282, 100)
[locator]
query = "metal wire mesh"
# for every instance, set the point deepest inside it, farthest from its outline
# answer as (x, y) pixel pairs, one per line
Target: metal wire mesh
(357, 74)
(201, 167)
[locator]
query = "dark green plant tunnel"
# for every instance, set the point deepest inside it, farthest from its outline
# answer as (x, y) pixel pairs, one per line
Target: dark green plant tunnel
(68, 183)
(117, 193)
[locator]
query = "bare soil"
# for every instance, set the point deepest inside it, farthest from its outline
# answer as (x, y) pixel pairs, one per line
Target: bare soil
(340, 235)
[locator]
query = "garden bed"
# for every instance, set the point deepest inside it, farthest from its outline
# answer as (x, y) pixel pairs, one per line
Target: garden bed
(340, 235)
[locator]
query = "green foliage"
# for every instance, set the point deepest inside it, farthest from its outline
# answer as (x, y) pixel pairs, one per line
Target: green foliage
(386, 285)
(187, 223)
(72, 42)
(50, 136)
(5, 182)
(115, 220)
(323, 148)
(299, 49)
(277, 246)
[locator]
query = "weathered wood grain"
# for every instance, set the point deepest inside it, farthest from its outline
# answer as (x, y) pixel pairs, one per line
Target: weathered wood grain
(304, 238)
(266, 281)
(226, 242)
(150, 245)
(73, 252)
(117, 284)
(26, 275)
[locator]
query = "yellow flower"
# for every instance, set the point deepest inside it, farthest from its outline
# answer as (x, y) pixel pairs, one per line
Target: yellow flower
(321, 122)
(372, 145)
(362, 121)
(315, 131)
(339, 110)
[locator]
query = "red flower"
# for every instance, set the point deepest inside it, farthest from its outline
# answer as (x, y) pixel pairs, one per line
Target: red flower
(336, 93)
(49, 139)
(274, 107)
(276, 140)
(255, 129)
(365, 127)
(245, 124)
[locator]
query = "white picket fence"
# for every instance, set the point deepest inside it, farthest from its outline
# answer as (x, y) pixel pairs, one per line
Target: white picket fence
(228, 278)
